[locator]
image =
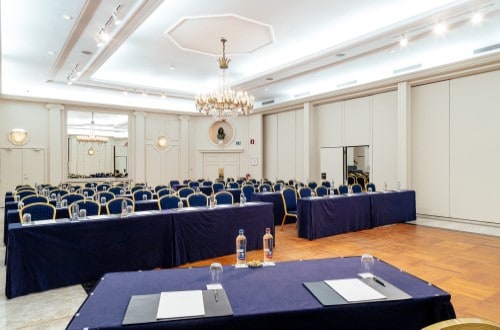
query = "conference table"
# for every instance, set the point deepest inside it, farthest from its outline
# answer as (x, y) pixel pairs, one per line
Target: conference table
(271, 298)
(59, 253)
(331, 215)
(276, 199)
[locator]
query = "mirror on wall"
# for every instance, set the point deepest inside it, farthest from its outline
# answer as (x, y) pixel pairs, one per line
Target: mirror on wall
(97, 145)
(357, 164)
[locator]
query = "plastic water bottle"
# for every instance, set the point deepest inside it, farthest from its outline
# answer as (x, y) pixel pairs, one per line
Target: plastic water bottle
(242, 199)
(385, 186)
(331, 192)
(268, 245)
(124, 208)
(58, 201)
(241, 248)
(399, 186)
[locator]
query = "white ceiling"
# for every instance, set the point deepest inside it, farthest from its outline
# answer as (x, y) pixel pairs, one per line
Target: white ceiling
(280, 50)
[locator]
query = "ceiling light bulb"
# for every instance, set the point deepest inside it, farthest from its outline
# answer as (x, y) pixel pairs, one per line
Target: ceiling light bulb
(440, 28)
(144, 94)
(125, 93)
(403, 42)
(477, 18)
(163, 95)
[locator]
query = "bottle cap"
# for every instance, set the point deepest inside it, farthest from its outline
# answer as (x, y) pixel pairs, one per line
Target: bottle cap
(241, 231)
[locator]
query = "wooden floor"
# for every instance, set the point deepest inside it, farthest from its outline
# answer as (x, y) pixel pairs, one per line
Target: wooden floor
(463, 264)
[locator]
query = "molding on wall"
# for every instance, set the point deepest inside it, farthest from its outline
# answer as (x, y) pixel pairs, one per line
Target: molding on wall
(218, 151)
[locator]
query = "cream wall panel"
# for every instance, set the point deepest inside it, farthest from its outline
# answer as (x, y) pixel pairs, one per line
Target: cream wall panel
(299, 149)
(430, 148)
(330, 127)
(475, 147)
(384, 147)
(271, 146)
(286, 145)
(357, 122)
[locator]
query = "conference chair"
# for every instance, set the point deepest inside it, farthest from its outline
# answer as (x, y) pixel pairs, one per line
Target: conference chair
(234, 185)
(24, 193)
(240, 181)
(217, 186)
(326, 184)
(137, 187)
(38, 211)
(289, 197)
(265, 187)
(90, 192)
(361, 180)
(321, 191)
(55, 192)
(90, 185)
(298, 185)
(117, 190)
(23, 186)
(138, 195)
(106, 194)
(159, 187)
(92, 207)
(164, 192)
(312, 185)
(168, 202)
(248, 191)
(305, 192)
(71, 198)
(206, 183)
(193, 184)
(343, 189)
(197, 200)
(102, 187)
(185, 192)
(370, 185)
(356, 188)
(464, 324)
(30, 199)
(114, 206)
(74, 189)
(351, 179)
(224, 197)
(278, 186)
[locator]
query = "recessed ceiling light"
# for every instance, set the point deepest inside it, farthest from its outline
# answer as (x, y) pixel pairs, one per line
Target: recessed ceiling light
(86, 52)
(477, 18)
(163, 95)
(125, 93)
(144, 94)
(340, 55)
(270, 79)
(172, 67)
(67, 17)
(403, 42)
(266, 89)
(316, 74)
(392, 51)
(440, 28)
(51, 52)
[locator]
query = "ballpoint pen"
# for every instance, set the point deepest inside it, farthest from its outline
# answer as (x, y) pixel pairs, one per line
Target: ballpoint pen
(378, 281)
(216, 294)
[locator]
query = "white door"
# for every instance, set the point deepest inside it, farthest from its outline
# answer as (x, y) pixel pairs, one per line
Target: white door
(20, 166)
(332, 163)
(229, 162)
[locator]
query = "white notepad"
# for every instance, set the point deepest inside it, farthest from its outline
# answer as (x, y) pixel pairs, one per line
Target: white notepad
(353, 289)
(178, 304)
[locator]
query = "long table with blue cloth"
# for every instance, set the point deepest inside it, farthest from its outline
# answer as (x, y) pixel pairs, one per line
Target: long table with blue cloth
(61, 253)
(326, 216)
(272, 298)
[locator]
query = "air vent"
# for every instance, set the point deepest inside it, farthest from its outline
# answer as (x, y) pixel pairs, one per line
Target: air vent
(486, 49)
(347, 83)
(407, 69)
(268, 102)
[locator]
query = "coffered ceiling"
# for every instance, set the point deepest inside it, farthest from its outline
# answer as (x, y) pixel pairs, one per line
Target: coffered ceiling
(162, 53)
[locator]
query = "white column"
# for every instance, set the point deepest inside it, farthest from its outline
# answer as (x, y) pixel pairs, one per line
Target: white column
(404, 134)
(184, 166)
(140, 146)
(56, 133)
(311, 167)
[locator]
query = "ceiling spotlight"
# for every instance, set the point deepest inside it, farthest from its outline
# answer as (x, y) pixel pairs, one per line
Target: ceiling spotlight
(125, 93)
(162, 95)
(144, 94)
(477, 18)
(51, 52)
(403, 42)
(67, 17)
(172, 67)
(440, 28)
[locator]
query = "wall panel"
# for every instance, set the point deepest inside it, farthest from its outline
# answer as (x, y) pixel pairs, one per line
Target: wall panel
(430, 148)
(286, 145)
(330, 125)
(357, 122)
(271, 146)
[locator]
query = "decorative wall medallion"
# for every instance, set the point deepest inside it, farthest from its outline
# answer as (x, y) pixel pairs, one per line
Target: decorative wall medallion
(91, 151)
(18, 137)
(161, 142)
(221, 133)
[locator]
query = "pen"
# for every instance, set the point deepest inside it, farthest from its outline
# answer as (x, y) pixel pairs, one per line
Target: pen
(378, 281)
(216, 296)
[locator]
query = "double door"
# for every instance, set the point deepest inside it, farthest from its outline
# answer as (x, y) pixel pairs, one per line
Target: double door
(226, 165)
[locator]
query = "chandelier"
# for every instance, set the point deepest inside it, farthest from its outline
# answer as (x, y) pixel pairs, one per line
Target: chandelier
(92, 138)
(224, 102)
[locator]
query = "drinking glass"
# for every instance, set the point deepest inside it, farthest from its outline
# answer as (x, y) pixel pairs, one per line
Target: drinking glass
(144, 197)
(367, 263)
(180, 205)
(20, 205)
(27, 218)
(103, 200)
(129, 209)
(83, 213)
(86, 194)
(216, 272)
(64, 203)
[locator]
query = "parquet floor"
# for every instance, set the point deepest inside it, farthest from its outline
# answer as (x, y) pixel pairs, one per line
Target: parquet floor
(465, 265)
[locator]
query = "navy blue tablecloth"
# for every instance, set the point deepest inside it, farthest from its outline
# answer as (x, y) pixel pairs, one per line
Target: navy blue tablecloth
(392, 207)
(43, 257)
(271, 298)
(326, 216)
(236, 192)
(207, 233)
(275, 198)
(147, 205)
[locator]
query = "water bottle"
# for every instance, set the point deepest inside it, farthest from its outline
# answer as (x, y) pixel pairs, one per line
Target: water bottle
(124, 208)
(399, 186)
(58, 200)
(331, 192)
(76, 212)
(385, 186)
(268, 246)
(242, 199)
(241, 248)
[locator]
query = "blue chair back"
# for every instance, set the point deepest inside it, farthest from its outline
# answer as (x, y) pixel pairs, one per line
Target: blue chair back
(305, 192)
(92, 207)
(30, 199)
(197, 200)
(160, 187)
(185, 192)
(289, 199)
(173, 182)
(278, 186)
(103, 187)
(356, 188)
(116, 190)
(361, 180)
(38, 211)
(234, 185)
(248, 191)
(206, 183)
(312, 185)
(74, 189)
(326, 184)
(351, 180)
(168, 202)
(106, 194)
(114, 206)
(71, 198)
(61, 192)
(164, 192)
(24, 193)
(90, 192)
(343, 189)
(224, 197)
(193, 184)
(218, 186)
(371, 185)
(266, 187)
(136, 187)
(321, 191)
(138, 194)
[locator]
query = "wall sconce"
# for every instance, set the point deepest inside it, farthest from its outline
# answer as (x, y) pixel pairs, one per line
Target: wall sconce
(161, 142)
(91, 151)
(18, 136)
